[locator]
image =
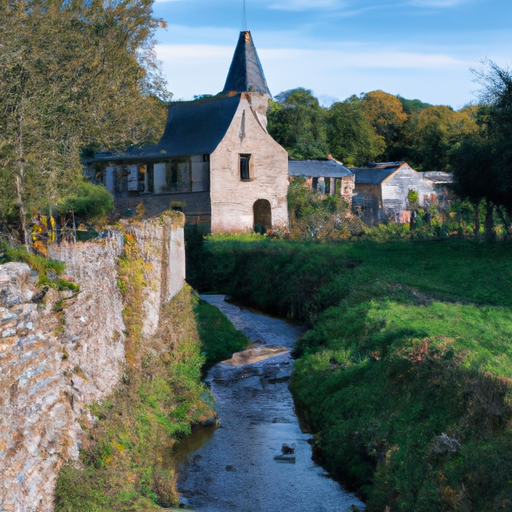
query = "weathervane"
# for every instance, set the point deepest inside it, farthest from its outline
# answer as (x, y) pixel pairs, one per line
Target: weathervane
(244, 18)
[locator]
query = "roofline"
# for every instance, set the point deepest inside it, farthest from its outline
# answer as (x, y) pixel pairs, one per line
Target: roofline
(396, 170)
(124, 158)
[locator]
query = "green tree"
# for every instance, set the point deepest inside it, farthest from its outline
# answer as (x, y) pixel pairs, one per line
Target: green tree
(73, 74)
(482, 162)
(352, 139)
(297, 121)
(436, 131)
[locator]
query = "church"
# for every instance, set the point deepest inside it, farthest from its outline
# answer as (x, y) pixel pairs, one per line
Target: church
(215, 160)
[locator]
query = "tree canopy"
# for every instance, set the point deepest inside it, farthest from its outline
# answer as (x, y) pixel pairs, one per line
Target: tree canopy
(352, 138)
(297, 122)
(74, 74)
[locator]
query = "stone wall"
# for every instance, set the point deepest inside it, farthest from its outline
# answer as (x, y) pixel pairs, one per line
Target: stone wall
(63, 351)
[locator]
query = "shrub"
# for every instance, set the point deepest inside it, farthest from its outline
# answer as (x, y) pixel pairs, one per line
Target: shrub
(88, 200)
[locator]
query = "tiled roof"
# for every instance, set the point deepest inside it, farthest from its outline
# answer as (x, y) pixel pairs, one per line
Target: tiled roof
(375, 173)
(318, 169)
(193, 128)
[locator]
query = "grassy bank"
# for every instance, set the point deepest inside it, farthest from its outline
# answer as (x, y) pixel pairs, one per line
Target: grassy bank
(160, 399)
(405, 376)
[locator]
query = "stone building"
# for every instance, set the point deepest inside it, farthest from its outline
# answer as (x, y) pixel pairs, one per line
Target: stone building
(215, 159)
(326, 176)
(383, 192)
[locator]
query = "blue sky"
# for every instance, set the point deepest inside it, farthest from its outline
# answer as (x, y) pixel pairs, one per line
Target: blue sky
(416, 48)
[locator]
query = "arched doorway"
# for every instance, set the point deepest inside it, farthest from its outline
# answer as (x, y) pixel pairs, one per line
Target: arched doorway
(262, 215)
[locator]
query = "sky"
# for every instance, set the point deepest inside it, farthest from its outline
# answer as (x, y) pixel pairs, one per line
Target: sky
(419, 49)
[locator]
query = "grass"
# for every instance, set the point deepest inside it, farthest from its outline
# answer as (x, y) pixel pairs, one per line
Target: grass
(48, 270)
(405, 374)
(159, 401)
(219, 339)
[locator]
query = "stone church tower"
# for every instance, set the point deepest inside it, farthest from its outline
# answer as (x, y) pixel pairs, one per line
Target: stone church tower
(215, 157)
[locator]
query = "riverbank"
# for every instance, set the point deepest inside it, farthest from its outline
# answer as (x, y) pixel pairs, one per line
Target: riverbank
(125, 463)
(405, 376)
(241, 467)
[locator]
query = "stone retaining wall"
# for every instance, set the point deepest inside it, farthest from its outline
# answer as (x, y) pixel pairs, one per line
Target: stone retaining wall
(57, 356)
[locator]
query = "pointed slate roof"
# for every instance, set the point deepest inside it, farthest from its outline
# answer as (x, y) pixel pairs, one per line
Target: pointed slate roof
(246, 73)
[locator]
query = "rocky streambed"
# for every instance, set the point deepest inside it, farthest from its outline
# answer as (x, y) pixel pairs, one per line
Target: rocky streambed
(241, 466)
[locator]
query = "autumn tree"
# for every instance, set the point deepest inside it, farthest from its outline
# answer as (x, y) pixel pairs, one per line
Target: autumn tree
(352, 139)
(297, 121)
(385, 113)
(74, 74)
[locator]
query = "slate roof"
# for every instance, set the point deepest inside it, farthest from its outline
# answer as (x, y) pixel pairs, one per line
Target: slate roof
(375, 173)
(193, 128)
(318, 169)
(246, 73)
(438, 177)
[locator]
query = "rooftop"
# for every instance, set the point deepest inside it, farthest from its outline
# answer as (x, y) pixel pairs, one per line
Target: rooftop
(246, 73)
(318, 168)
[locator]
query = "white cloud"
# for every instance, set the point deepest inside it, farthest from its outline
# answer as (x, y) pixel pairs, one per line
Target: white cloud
(437, 3)
(351, 69)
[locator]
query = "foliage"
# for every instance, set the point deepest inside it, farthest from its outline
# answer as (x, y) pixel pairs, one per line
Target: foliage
(315, 216)
(160, 398)
(482, 162)
(436, 131)
(87, 200)
(73, 74)
(219, 339)
(413, 106)
(48, 269)
(297, 121)
(385, 113)
(405, 377)
(352, 138)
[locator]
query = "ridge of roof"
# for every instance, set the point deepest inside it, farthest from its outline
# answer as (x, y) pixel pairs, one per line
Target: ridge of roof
(246, 73)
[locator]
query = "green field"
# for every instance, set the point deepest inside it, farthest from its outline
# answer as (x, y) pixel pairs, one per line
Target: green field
(405, 374)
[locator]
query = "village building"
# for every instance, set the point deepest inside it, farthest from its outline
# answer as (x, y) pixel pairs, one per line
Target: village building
(325, 176)
(215, 159)
(389, 191)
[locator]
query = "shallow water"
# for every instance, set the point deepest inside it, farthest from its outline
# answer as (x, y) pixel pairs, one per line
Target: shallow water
(233, 468)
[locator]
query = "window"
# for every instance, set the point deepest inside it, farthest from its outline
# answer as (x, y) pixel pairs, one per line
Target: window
(245, 167)
(206, 158)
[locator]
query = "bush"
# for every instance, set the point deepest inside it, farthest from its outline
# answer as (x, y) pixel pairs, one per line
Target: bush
(89, 201)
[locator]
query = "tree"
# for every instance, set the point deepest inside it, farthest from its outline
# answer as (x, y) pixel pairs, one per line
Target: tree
(386, 115)
(73, 74)
(297, 121)
(482, 162)
(352, 139)
(436, 131)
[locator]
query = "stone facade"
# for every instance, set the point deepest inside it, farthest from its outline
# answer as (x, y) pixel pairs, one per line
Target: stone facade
(381, 192)
(233, 199)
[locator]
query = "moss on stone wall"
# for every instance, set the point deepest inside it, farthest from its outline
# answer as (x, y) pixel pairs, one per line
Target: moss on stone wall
(160, 398)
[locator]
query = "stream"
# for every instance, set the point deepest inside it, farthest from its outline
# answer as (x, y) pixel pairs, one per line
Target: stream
(233, 468)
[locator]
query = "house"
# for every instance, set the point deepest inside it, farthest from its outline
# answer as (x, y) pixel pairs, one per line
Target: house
(389, 191)
(340, 179)
(215, 158)
(442, 186)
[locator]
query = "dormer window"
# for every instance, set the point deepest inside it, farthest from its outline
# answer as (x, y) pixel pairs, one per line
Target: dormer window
(245, 167)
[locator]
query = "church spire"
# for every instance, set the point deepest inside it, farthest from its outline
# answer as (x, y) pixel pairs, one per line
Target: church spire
(246, 73)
